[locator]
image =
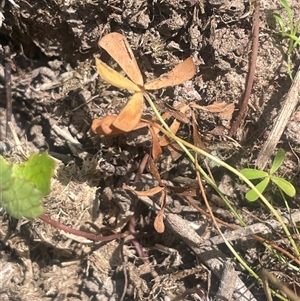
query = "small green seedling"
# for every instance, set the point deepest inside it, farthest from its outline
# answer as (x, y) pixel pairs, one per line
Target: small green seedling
(294, 40)
(22, 186)
(252, 174)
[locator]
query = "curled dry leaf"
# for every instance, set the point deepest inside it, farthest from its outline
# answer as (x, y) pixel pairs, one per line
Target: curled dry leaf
(103, 126)
(159, 219)
(159, 225)
(156, 149)
(154, 171)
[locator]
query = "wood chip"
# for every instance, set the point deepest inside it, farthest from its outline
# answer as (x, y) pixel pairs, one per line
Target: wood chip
(291, 100)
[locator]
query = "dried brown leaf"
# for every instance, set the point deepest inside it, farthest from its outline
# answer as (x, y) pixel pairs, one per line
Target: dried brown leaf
(119, 49)
(131, 114)
(181, 73)
(156, 148)
(223, 109)
(159, 225)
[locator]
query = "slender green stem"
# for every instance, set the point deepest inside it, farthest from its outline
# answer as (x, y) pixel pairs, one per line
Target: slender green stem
(182, 143)
(167, 131)
(191, 157)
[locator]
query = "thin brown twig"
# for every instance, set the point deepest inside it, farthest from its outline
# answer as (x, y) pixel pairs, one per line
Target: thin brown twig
(244, 104)
(124, 271)
(7, 71)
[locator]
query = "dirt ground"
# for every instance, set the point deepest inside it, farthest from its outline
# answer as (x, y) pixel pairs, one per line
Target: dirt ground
(56, 93)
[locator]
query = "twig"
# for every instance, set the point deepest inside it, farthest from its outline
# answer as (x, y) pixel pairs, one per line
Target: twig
(255, 236)
(7, 65)
(210, 255)
(17, 142)
(228, 279)
(291, 100)
(124, 271)
(14, 3)
(262, 228)
(244, 104)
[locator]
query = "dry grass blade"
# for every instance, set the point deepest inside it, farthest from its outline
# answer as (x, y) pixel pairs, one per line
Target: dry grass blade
(119, 49)
(197, 137)
(223, 109)
(181, 115)
(156, 149)
(181, 73)
(131, 114)
(154, 171)
(149, 192)
(174, 127)
(115, 78)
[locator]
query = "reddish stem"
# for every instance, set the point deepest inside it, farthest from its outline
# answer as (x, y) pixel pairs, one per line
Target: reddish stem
(141, 168)
(244, 104)
(87, 235)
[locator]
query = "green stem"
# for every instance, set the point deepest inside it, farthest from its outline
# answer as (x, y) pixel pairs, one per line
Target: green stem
(182, 143)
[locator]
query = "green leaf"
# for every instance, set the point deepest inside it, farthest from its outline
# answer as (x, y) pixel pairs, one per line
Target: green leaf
(288, 10)
(22, 186)
(37, 170)
(279, 158)
(285, 186)
(296, 29)
(280, 22)
(5, 175)
(22, 199)
(252, 196)
(251, 173)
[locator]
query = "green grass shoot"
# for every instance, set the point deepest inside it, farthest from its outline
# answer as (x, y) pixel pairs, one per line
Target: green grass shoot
(291, 33)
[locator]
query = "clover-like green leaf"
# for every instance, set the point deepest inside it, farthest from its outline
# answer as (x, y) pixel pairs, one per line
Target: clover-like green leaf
(5, 175)
(22, 186)
(251, 173)
(285, 186)
(279, 158)
(37, 170)
(22, 199)
(251, 195)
